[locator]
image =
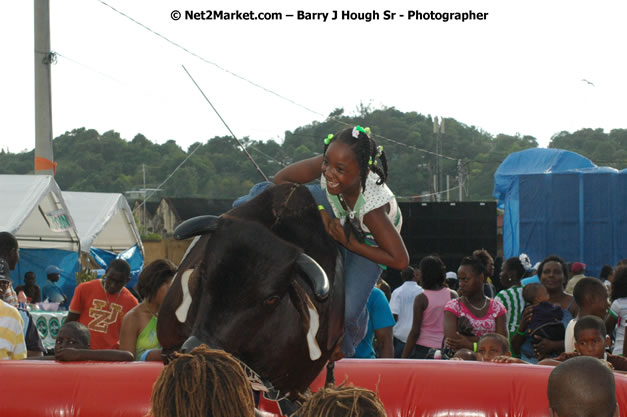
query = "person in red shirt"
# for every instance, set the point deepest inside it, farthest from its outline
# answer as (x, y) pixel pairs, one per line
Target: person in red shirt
(101, 304)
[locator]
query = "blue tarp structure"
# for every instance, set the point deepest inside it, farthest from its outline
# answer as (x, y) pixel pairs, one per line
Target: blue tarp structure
(558, 202)
(37, 260)
(132, 255)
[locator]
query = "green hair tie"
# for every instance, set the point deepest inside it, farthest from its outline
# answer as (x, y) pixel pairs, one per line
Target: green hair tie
(358, 129)
(328, 139)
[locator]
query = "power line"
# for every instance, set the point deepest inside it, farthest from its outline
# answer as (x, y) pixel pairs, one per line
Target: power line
(170, 176)
(206, 60)
(177, 45)
(227, 126)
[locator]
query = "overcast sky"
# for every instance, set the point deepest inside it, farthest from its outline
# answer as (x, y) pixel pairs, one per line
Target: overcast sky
(521, 70)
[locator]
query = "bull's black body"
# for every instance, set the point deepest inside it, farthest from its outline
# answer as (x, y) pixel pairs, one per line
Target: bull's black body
(249, 293)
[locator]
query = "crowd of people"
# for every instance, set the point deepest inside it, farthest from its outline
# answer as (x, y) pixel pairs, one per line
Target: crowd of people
(534, 322)
(546, 314)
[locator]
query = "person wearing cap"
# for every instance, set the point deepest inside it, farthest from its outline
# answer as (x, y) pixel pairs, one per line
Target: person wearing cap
(12, 344)
(451, 280)
(577, 270)
(51, 291)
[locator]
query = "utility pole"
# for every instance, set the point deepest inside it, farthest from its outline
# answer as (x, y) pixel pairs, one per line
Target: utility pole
(438, 129)
(460, 179)
(144, 216)
(44, 159)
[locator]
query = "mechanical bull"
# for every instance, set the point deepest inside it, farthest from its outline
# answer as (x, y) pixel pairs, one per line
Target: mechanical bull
(264, 282)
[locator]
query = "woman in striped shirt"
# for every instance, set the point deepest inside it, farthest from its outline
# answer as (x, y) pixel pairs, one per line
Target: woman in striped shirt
(511, 297)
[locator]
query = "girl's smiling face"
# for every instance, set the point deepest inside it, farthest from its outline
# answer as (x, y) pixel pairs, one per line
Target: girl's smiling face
(552, 275)
(341, 170)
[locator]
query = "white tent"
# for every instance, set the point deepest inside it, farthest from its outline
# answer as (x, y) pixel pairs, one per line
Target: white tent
(32, 208)
(103, 220)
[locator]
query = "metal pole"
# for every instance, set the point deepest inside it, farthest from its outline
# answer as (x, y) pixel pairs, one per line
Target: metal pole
(144, 217)
(448, 188)
(44, 159)
(460, 178)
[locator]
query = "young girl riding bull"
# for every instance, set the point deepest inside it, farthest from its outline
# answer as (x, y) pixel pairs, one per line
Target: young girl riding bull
(359, 211)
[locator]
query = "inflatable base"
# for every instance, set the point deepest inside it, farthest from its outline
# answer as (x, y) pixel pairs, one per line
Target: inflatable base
(408, 388)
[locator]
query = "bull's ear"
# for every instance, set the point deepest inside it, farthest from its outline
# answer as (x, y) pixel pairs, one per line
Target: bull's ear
(317, 277)
(196, 226)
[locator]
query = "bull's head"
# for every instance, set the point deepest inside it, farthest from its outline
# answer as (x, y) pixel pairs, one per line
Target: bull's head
(249, 286)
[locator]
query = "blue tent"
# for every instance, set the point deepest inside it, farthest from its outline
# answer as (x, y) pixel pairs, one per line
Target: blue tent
(558, 202)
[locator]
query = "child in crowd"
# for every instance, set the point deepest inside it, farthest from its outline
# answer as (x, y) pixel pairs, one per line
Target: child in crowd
(591, 339)
(607, 277)
(358, 210)
(473, 310)
(73, 344)
(489, 347)
(204, 382)
(464, 354)
(492, 345)
(583, 387)
(591, 297)
(138, 334)
(546, 318)
(618, 310)
(343, 401)
(427, 326)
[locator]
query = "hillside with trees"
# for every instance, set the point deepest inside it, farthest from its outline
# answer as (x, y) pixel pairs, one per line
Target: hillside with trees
(90, 161)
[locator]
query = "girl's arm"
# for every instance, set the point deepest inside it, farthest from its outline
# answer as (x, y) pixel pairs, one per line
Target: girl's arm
(390, 251)
(450, 324)
(517, 338)
(105, 355)
(501, 325)
(128, 333)
(545, 347)
(420, 305)
(454, 340)
(301, 172)
(610, 322)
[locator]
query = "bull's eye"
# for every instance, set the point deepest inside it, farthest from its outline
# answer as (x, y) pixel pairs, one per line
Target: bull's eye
(272, 300)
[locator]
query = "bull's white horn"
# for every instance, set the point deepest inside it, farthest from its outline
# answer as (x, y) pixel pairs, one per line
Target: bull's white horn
(314, 324)
(183, 309)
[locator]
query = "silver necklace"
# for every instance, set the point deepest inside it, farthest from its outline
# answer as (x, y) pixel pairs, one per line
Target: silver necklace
(485, 301)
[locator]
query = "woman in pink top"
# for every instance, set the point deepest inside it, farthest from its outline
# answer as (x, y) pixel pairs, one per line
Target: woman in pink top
(468, 318)
(427, 330)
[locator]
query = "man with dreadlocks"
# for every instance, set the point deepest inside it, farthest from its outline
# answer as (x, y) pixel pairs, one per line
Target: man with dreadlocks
(203, 383)
(359, 211)
(343, 401)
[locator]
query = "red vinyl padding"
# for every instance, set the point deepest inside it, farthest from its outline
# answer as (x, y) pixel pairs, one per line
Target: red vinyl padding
(408, 388)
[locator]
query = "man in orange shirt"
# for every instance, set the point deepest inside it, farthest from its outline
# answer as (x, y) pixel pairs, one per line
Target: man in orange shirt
(101, 304)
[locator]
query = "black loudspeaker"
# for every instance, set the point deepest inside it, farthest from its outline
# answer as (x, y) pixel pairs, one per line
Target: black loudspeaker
(451, 230)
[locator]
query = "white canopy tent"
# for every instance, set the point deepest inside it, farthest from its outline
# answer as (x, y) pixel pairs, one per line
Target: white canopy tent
(32, 208)
(103, 220)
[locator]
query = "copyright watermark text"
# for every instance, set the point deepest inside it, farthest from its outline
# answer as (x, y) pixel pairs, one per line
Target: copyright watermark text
(332, 15)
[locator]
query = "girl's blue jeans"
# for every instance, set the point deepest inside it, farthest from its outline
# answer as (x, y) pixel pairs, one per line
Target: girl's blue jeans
(360, 277)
